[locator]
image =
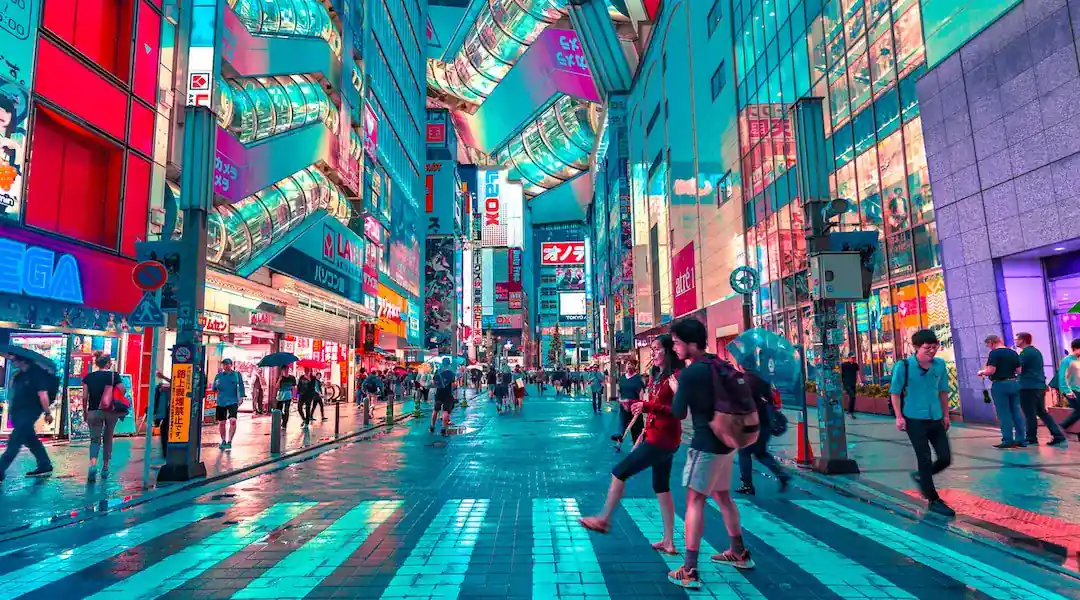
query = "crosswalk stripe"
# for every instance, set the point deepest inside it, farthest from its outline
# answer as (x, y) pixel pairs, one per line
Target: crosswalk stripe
(437, 564)
(172, 572)
(843, 576)
(296, 575)
(977, 575)
(564, 562)
(58, 566)
(717, 581)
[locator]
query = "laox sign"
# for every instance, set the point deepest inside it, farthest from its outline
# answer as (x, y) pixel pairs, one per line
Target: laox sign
(491, 198)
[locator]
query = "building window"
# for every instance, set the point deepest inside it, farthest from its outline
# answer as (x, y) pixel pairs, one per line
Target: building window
(723, 190)
(652, 119)
(99, 29)
(715, 14)
(719, 79)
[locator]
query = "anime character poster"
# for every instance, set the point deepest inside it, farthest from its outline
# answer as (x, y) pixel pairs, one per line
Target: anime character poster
(14, 107)
(439, 293)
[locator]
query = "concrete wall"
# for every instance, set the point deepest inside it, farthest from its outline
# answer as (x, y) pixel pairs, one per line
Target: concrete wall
(1001, 122)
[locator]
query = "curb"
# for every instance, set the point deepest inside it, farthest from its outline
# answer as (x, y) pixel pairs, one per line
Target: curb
(913, 512)
(126, 502)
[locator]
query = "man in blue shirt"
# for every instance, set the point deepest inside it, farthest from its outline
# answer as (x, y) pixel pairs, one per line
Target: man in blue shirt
(1032, 381)
(229, 385)
(920, 398)
(1068, 381)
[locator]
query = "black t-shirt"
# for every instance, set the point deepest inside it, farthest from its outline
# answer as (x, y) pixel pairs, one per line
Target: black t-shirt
(849, 373)
(287, 382)
(695, 396)
(1006, 361)
(96, 383)
(26, 385)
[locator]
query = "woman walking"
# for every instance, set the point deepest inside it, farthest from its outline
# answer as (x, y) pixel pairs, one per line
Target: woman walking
(98, 391)
(286, 392)
(630, 386)
(663, 433)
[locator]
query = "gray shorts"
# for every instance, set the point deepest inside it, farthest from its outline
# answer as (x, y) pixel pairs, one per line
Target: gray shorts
(708, 473)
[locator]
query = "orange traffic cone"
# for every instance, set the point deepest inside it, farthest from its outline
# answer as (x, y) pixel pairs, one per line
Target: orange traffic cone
(806, 451)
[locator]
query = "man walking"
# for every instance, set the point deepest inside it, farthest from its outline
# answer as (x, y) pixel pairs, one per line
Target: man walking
(1068, 378)
(920, 398)
(229, 386)
(597, 383)
(28, 398)
(849, 377)
(1032, 381)
(1001, 366)
(709, 461)
(444, 396)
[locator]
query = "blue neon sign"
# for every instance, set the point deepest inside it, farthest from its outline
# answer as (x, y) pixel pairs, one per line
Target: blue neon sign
(39, 272)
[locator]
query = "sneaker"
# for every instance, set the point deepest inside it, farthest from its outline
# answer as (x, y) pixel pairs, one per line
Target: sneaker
(1058, 441)
(685, 577)
(916, 478)
(1033, 442)
(228, 445)
(1008, 446)
(727, 557)
(41, 472)
(940, 508)
(746, 489)
(91, 474)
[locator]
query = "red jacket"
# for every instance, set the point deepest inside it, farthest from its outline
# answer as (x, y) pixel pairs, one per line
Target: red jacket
(662, 429)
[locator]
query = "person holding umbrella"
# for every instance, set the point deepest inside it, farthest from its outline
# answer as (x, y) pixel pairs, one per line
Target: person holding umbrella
(32, 391)
(286, 386)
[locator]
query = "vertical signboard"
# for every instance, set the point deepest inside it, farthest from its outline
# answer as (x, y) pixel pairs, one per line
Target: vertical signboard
(18, 41)
(491, 184)
(439, 295)
(203, 61)
(684, 281)
(440, 196)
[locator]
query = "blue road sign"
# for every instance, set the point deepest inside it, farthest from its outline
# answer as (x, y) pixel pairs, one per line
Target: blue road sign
(148, 312)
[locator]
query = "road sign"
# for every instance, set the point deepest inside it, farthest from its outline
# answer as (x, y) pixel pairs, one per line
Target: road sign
(148, 312)
(182, 353)
(744, 280)
(180, 403)
(149, 275)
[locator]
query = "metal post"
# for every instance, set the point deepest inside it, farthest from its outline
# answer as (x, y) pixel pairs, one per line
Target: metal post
(275, 431)
(367, 409)
(151, 410)
(800, 393)
(390, 409)
(813, 186)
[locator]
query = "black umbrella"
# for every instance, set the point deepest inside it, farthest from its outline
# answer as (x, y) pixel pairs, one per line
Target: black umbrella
(29, 355)
(278, 359)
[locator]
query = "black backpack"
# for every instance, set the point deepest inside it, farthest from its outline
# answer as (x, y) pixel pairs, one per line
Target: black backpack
(735, 421)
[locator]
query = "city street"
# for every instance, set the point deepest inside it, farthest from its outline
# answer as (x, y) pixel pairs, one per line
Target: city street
(490, 512)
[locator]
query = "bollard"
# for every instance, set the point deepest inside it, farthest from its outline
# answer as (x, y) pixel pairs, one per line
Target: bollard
(367, 410)
(275, 431)
(389, 410)
(337, 417)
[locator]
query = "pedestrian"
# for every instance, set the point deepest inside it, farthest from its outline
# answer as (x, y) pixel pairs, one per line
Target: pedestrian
(709, 460)
(849, 377)
(518, 387)
(1032, 380)
(663, 434)
(98, 391)
(286, 393)
(258, 393)
(919, 392)
(161, 411)
(229, 385)
(305, 389)
(28, 398)
(318, 399)
(597, 386)
(630, 386)
(763, 398)
(1002, 364)
(1068, 381)
(502, 391)
(444, 396)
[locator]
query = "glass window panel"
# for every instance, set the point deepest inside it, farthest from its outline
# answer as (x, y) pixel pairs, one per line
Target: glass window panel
(927, 255)
(772, 237)
(909, 102)
(901, 261)
(815, 44)
(859, 80)
(887, 113)
(907, 31)
(801, 66)
(831, 19)
(846, 189)
(843, 145)
(908, 309)
(275, 202)
(863, 129)
(882, 64)
(787, 249)
(883, 335)
(838, 102)
(866, 170)
(787, 79)
(257, 220)
(922, 199)
(759, 31)
(891, 167)
(854, 19)
(264, 108)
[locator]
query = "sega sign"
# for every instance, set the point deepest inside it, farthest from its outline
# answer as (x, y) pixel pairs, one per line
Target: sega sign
(562, 253)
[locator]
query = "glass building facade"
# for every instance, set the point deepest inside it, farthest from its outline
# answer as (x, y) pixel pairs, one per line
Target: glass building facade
(863, 59)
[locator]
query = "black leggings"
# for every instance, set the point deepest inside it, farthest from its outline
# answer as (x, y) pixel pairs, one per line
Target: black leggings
(644, 456)
(625, 416)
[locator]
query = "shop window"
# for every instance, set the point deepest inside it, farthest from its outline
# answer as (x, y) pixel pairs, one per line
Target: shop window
(79, 169)
(99, 29)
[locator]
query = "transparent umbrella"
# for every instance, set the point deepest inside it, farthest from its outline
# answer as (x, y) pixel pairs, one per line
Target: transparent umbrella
(769, 356)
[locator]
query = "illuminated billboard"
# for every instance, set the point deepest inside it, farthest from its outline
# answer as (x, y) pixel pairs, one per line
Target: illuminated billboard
(572, 306)
(491, 184)
(562, 253)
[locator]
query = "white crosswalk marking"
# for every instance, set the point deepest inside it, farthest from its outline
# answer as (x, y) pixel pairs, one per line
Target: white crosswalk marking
(842, 575)
(436, 566)
(305, 568)
(564, 562)
(977, 575)
(717, 581)
(58, 566)
(172, 572)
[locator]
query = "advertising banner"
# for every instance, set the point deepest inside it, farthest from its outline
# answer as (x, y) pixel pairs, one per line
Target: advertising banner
(439, 295)
(515, 300)
(328, 255)
(562, 253)
(440, 197)
(477, 296)
(507, 322)
(490, 184)
(502, 293)
(515, 267)
(392, 312)
(487, 280)
(414, 323)
(18, 42)
(684, 280)
(573, 307)
(570, 278)
(371, 131)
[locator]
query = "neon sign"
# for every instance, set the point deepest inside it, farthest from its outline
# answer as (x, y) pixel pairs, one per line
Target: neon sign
(491, 198)
(39, 272)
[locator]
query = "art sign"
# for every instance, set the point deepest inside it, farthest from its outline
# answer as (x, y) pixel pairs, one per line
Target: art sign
(684, 280)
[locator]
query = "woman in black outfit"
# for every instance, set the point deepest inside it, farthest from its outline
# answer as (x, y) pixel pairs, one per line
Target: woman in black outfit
(286, 393)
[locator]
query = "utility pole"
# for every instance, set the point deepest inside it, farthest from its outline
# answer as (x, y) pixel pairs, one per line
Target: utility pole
(813, 187)
(201, 24)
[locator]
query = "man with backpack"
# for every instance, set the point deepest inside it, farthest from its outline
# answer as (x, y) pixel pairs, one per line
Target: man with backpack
(768, 417)
(920, 398)
(444, 396)
(718, 399)
(31, 394)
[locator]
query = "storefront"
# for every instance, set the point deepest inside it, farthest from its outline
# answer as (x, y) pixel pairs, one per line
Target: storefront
(392, 326)
(76, 305)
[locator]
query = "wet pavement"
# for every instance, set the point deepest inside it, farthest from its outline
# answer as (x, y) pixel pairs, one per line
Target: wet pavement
(29, 503)
(490, 512)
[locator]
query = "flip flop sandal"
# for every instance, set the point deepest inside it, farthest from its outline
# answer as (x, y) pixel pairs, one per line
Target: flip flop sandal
(592, 524)
(659, 547)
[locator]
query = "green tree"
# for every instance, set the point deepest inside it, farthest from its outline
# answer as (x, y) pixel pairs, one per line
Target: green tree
(555, 351)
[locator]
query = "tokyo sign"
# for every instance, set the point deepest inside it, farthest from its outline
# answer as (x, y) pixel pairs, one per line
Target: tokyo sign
(562, 253)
